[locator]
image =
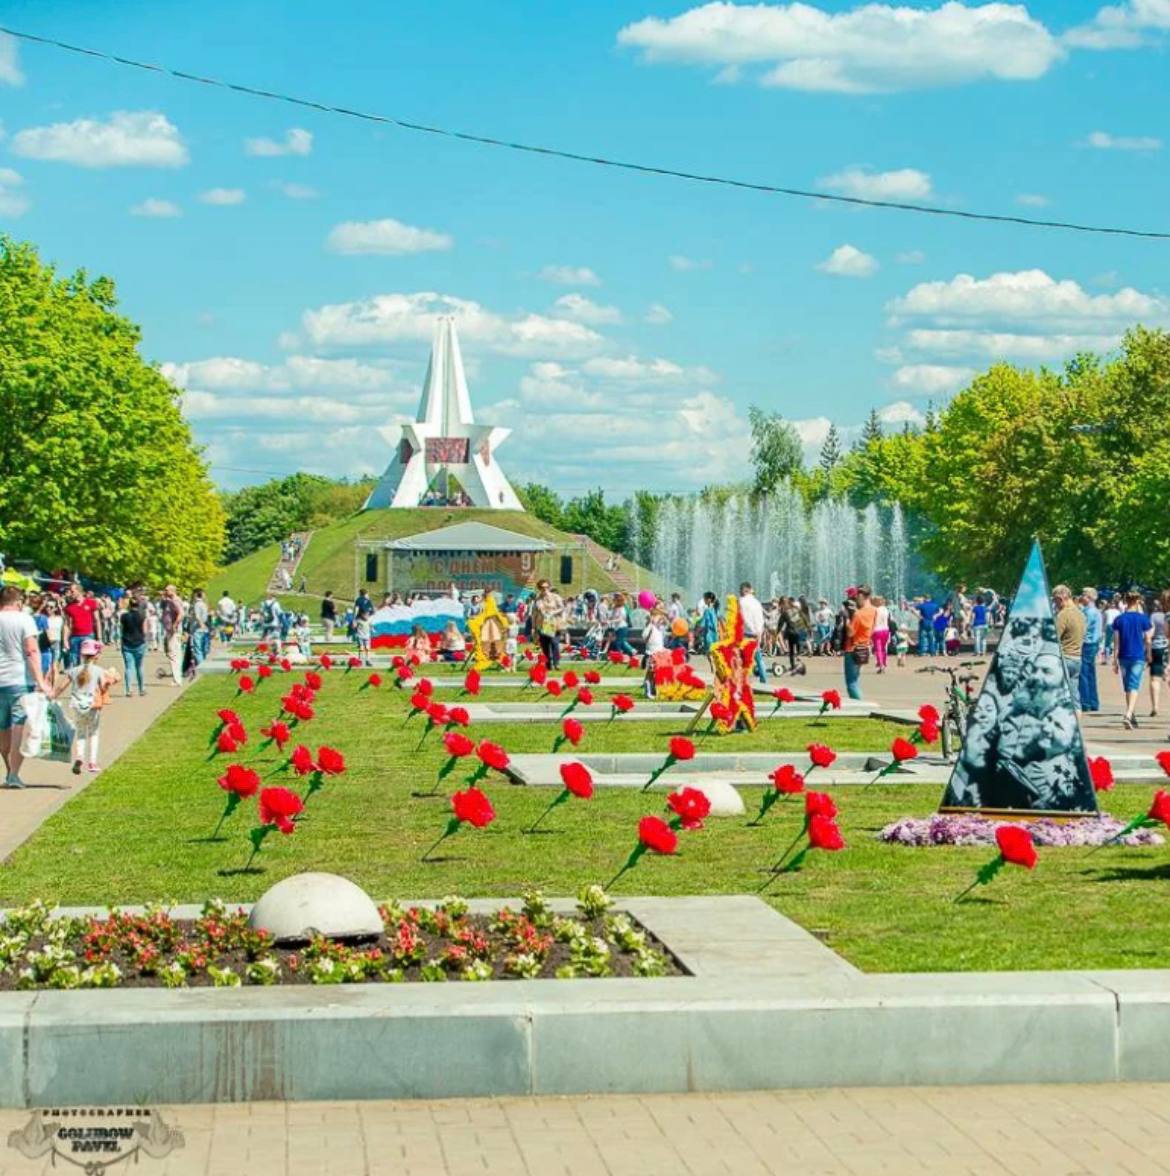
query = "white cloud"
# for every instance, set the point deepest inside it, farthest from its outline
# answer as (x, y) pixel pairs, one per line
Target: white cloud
(1026, 316)
(872, 48)
(906, 183)
(388, 318)
(128, 138)
(1032, 200)
(1121, 26)
(1104, 141)
(223, 196)
(683, 265)
(569, 275)
(584, 310)
(657, 315)
(296, 191)
(296, 142)
(13, 201)
(10, 72)
(633, 370)
(152, 207)
(387, 236)
(910, 257)
(847, 261)
(1025, 296)
(899, 413)
(299, 373)
(931, 379)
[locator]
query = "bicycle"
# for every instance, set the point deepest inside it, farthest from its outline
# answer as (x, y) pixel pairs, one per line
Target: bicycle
(960, 698)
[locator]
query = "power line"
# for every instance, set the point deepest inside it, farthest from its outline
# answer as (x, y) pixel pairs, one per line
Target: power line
(578, 157)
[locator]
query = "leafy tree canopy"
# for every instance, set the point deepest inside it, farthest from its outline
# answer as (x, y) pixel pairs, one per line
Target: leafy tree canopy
(776, 449)
(98, 471)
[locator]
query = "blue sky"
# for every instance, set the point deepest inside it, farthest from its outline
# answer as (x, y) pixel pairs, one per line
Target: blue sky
(286, 265)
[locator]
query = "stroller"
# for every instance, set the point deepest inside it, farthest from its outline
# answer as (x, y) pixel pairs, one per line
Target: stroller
(591, 642)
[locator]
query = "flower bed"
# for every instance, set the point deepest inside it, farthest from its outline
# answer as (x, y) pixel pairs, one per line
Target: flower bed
(969, 829)
(219, 950)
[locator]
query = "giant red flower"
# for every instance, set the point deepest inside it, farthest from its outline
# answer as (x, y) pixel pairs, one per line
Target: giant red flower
(819, 804)
(573, 731)
(902, 750)
(425, 687)
(374, 680)
(655, 834)
(492, 755)
(263, 672)
(312, 680)
(783, 695)
(437, 713)
(622, 703)
(928, 731)
(1016, 846)
(823, 833)
(720, 713)
(928, 713)
(577, 780)
(278, 806)
(302, 710)
(419, 701)
(246, 684)
(330, 761)
(278, 732)
(682, 748)
(457, 744)
(787, 779)
(301, 760)
(354, 661)
(633, 661)
(403, 673)
(1101, 773)
(820, 755)
(1160, 809)
(570, 679)
(691, 805)
(242, 781)
(227, 717)
(585, 696)
(1163, 758)
(553, 687)
(458, 716)
(538, 674)
(326, 661)
(831, 699)
(472, 806)
(471, 683)
(593, 677)
(225, 744)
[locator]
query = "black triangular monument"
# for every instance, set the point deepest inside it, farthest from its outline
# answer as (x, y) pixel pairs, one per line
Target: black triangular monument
(1023, 750)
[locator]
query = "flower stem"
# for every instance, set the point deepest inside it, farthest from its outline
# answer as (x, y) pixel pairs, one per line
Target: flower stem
(795, 842)
(446, 833)
(560, 798)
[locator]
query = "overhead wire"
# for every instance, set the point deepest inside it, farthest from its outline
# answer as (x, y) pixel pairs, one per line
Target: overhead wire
(581, 157)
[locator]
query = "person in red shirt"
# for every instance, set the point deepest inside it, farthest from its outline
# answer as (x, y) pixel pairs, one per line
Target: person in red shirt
(80, 621)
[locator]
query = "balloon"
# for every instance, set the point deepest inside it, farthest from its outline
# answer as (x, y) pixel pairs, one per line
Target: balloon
(647, 599)
(679, 627)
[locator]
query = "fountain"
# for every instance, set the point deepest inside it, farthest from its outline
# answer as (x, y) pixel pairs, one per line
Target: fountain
(782, 547)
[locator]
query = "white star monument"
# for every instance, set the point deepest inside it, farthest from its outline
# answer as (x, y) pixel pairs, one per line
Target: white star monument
(445, 443)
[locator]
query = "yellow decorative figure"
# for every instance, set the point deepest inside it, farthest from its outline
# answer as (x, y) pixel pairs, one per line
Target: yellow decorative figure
(489, 632)
(732, 656)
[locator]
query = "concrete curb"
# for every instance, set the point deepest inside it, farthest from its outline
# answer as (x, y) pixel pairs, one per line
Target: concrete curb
(768, 1007)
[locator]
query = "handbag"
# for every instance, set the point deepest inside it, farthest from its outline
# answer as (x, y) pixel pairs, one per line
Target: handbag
(861, 654)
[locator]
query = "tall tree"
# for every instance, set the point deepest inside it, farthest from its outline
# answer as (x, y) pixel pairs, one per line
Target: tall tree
(98, 471)
(871, 431)
(776, 449)
(830, 451)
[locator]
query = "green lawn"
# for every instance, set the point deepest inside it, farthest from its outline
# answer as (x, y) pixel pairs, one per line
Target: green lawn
(140, 832)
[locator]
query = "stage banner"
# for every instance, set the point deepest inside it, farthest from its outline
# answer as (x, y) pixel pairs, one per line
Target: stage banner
(1023, 750)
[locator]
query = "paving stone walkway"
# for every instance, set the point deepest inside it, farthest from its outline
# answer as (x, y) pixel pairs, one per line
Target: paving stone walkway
(1121, 1130)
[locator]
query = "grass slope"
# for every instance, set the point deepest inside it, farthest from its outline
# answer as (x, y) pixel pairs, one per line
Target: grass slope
(329, 562)
(141, 830)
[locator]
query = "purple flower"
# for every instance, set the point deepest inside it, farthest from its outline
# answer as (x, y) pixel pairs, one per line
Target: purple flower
(970, 829)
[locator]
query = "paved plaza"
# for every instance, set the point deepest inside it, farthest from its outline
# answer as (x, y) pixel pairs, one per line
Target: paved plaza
(1112, 1130)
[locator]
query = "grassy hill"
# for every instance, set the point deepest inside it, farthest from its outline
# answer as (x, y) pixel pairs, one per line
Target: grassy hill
(330, 562)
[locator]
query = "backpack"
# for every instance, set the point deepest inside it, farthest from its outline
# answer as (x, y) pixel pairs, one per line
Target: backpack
(268, 612)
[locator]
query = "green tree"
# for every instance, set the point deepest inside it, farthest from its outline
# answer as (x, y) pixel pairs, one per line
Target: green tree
(590, 515)
(98, 471)
(541, 501)
(871, 431)
(776, 449)
(830, 451)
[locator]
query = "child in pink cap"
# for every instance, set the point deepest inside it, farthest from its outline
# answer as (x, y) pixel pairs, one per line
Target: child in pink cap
(89, 686)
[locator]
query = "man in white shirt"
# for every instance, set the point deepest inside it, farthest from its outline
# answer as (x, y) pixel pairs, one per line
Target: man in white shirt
(20, 671)
(752, 612)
